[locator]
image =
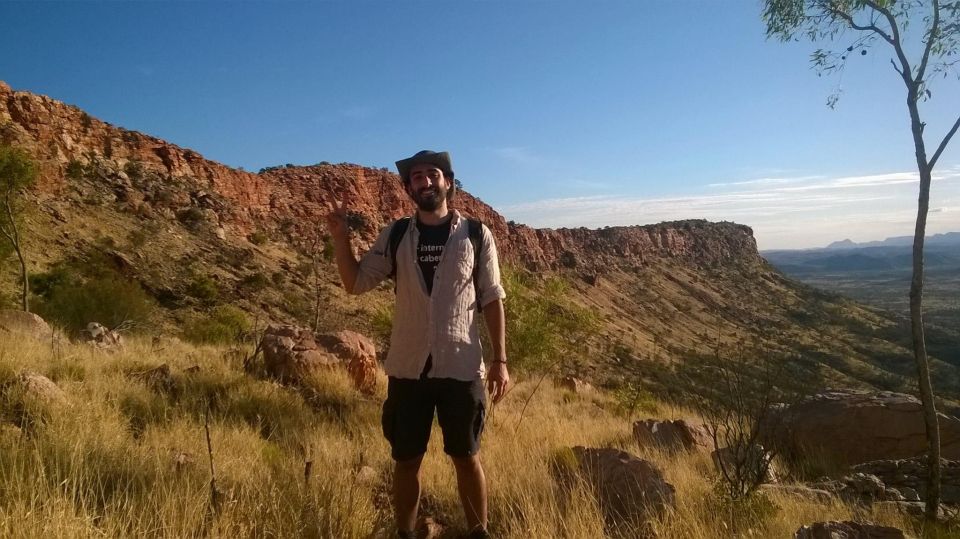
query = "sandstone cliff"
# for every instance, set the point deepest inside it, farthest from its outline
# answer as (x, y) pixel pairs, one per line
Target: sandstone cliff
(296, 197)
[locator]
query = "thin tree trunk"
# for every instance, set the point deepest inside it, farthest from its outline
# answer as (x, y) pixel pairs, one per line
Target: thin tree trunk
(14, 237)
(916, 316)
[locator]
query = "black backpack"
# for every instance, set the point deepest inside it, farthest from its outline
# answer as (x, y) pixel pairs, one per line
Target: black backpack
(474, 230)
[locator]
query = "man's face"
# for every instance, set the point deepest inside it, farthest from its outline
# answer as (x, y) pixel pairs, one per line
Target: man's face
(428, 187)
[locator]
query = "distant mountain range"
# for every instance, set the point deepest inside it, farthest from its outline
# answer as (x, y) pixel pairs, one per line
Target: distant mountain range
(949, 238)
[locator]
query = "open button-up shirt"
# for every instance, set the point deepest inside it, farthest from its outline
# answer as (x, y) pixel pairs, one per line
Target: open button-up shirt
(443, 324)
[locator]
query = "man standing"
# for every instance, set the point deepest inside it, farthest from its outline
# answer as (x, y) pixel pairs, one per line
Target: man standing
(435, 363)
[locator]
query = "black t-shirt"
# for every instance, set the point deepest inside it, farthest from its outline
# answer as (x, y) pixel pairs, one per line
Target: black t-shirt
(430, 248)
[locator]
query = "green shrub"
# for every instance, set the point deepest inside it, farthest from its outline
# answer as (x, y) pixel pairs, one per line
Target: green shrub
(134, 170)
(75, 170)
(191, 217)
(255, 282)
(110, 299)
(542, 324)
(224, 324)
(204, 289)
(259, 237)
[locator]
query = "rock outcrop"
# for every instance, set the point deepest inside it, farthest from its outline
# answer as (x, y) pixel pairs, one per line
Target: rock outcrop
(291, 354)
(848, 530)
(237, 203)
(851, 427)
(629, 489)
(24, 323)
(671, 436)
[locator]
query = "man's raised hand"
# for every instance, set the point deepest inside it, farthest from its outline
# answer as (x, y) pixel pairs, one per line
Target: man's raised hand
(337, 219)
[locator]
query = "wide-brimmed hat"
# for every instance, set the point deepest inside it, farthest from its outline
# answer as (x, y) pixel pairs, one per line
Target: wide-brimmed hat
(440, 160)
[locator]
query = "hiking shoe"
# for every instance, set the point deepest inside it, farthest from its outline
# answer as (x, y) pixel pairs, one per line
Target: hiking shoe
(477, 533)
(406, 534)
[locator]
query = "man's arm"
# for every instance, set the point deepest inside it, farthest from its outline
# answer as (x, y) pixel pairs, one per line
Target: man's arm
(347, 264)
(498, 376)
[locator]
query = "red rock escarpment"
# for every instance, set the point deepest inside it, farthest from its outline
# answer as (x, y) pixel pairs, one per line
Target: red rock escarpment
(295, 198)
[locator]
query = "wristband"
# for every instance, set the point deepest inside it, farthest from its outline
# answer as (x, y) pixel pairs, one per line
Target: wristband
(504, 361)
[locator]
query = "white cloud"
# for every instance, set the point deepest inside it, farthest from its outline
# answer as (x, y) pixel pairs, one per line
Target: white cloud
(787, 213)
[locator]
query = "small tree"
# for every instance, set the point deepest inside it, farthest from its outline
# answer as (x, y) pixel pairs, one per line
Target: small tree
(928, 49)
(17, 171)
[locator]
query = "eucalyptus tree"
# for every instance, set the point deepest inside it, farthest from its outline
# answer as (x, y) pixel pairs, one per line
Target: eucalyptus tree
(922, 37)
(17, 172)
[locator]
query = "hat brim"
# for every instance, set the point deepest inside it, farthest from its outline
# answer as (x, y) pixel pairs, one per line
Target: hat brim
(440, 160)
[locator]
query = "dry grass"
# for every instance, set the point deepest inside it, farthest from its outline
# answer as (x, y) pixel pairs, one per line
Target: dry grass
(122, 459)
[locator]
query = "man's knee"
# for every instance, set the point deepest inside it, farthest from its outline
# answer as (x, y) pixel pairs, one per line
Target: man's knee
(409, 466)
(465, 463)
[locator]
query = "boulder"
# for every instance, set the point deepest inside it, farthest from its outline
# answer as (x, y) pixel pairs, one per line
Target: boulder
(40, 387)
(671, 436)
(627, 488)
(291, 353)
(348, 345)
(909, 478)
(744, 462)
(363, 372)
(574, 384)
(851, 427)
(103, 337)
(847, 530)
(801, 492)
(24, 323)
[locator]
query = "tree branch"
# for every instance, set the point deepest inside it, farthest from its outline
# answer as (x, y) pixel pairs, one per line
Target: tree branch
(895, 68)
(943, 143)
(869, 28)
(894, 41)
(931, 37)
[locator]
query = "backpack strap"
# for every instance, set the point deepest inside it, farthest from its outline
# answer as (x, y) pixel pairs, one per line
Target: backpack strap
(397, 231)
(475, 231)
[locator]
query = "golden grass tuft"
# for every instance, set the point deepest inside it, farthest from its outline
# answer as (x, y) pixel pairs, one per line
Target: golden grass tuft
(125, 458)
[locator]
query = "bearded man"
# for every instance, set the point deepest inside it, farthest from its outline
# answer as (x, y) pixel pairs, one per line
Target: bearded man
(446, 272)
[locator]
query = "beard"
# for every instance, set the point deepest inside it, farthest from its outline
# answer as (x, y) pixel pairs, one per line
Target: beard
(430, 198)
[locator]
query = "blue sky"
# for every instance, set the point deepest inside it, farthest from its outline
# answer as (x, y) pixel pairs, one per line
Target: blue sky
(589, 113)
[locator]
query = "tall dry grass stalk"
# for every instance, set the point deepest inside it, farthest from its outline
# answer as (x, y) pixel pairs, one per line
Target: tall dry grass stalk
(122, 458)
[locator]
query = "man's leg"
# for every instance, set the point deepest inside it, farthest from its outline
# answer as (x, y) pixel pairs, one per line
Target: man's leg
(461, 410)
(406, 492)
(472, 485)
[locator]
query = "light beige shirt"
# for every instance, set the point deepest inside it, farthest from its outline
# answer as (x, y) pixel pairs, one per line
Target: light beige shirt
(443, 324)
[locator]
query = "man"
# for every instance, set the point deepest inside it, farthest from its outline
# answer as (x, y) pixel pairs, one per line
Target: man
(435, 362)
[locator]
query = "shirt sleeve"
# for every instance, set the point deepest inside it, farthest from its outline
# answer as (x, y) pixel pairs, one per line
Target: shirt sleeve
(375, 264)
(489, 277)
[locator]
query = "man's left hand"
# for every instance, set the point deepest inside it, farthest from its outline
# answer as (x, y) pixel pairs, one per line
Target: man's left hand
(498, 380)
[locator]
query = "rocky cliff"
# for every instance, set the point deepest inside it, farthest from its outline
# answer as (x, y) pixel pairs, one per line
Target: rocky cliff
(295, 198)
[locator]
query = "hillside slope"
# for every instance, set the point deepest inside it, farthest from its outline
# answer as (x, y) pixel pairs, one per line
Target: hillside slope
(168, 218)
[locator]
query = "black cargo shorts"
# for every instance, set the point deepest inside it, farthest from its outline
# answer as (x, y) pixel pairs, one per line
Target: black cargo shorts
(409, 410)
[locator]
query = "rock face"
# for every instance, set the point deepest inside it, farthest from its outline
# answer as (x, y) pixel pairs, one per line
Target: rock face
(852, 427)
(671, 436)
(24, 323)
(847, 530)
(239, 202)
(908, 478)
(629, 489)
(292, 354)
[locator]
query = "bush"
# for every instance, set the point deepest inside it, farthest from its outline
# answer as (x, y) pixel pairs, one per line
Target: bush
(204, 289)
(75, 170)
(259, 237)
(109, 299)
(225, 324)
(191, 217)
(255, 282)
(542, 324)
